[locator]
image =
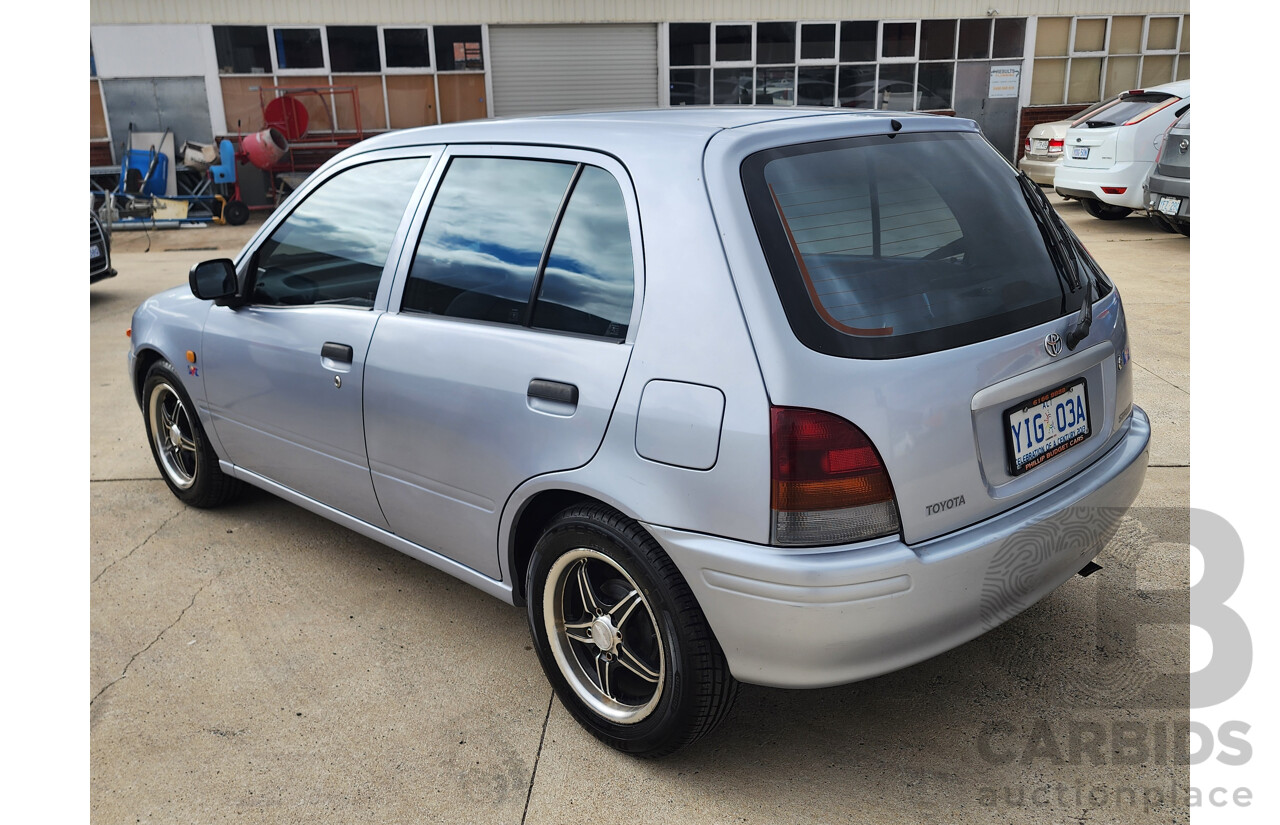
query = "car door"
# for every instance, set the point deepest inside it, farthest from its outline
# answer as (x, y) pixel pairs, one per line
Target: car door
(284, 372)
(507, 341)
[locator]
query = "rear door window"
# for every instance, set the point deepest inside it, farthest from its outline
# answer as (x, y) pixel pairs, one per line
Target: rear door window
(538, 243)
(885, 247)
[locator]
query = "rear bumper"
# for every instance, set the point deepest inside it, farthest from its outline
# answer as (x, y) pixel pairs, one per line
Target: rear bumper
(1159, 185)
(1085, 182)
(1040, 171)
(795, 618)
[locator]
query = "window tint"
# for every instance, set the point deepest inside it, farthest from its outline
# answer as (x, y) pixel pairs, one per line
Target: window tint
(588, 283)
(483, 239)
(882, 247)
(458, 48)
(332, 248)
(690, 44)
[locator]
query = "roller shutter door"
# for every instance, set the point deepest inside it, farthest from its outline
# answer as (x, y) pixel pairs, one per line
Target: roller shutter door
(539, 69)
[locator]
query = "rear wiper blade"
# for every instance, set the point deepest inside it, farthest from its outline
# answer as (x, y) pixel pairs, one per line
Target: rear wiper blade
(1047, 221)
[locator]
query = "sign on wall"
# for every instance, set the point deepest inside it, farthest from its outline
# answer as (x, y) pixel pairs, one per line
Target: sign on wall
(1004, 81)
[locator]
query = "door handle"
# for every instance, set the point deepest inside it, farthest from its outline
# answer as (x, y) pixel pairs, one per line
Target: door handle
(552, 397)
(336, 352)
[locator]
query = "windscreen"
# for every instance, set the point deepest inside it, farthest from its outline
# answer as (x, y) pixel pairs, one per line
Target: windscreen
(885, 247)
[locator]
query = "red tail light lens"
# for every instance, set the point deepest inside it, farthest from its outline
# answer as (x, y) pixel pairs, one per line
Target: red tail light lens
(829, 484)
(1115, 190)
(1055, 146)
(1026, 146)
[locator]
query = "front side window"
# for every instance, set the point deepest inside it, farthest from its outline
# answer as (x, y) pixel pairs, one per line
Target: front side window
(332, 248)
(882, 247)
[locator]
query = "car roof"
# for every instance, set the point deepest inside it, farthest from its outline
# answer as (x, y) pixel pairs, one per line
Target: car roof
(618, 131)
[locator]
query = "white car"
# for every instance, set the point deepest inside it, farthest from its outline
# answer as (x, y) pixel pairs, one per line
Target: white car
(1110, 153)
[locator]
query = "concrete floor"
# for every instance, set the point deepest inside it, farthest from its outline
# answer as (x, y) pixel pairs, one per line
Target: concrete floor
(259, 664)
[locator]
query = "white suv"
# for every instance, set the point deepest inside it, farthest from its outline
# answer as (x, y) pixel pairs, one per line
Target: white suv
(1110, 153)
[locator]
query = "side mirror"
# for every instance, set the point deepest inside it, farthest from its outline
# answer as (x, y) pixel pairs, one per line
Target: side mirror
(214, 280)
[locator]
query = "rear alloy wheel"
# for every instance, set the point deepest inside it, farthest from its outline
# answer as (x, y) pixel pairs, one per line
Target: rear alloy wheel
(1104, 211)
(621, 637)
(179, 445)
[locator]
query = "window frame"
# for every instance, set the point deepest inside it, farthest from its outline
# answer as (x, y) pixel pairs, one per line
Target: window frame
(407, 70)
(834, 60)
(534, 152)
(1106, 38)
(915, 51)
(717, 63)
(1146, 30)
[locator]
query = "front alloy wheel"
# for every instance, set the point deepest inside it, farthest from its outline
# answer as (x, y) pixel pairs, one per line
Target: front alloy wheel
(173, 436)
(178, 443)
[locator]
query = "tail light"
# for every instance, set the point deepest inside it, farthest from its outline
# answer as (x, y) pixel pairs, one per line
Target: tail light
(1115, 190)
(829, 484)
(1026, 145)
(1055, 146)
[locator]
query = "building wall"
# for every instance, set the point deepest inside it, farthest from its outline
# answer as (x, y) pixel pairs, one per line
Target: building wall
(340, 12)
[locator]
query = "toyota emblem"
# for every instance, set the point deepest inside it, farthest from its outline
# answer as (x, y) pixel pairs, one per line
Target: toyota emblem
(1053, 344)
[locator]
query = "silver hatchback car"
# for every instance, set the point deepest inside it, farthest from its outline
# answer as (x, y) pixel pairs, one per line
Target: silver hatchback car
(790, 398)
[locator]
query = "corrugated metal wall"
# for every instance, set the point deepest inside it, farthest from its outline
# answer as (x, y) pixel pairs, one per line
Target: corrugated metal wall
(538, 69)
(338, 12)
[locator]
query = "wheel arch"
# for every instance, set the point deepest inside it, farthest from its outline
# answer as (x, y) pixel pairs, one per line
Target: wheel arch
(531, 520)
(145, 358)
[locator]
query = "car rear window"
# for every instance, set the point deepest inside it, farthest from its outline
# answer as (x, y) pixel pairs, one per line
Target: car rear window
(1126, 108)
(891, 246)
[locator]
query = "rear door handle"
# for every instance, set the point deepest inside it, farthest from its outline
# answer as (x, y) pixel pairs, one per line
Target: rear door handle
(555, 397)
(336, 352)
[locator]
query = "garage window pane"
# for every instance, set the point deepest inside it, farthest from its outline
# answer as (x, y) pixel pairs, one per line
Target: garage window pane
(458, 48)
(407, 48)
(775, 43)
(1051, 36)
(1010, 36)
(975, 40)
(690, 87)
(332, 248)
(484, 237)
(1157, 69)
(299, 49)
(730, 86)
(1122, 75)
(937, 39)
(936, 83)
(242, 49)
(353, 48)
(589, 280)
(897, 88)
(1091, 35)
(899, 40)
(690, 44)
(1086, 77)
(1162, 34)
(816, 86)
(733, 43)
(1126, 35)
(775, 86)
(858, 86)
(858, 41)
(1047, 78)
(817, 41)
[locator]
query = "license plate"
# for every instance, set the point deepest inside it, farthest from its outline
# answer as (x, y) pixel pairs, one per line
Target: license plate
(1170, 206)
(94, 252)
(1046, 426)
(1080, 152)
(1040, 145)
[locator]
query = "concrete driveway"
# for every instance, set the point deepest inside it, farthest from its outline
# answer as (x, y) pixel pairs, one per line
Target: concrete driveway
(260, 664)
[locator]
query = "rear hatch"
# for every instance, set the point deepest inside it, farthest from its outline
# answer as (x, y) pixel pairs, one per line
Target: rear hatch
(1174, 160)
(1094, 141)
(914, 273)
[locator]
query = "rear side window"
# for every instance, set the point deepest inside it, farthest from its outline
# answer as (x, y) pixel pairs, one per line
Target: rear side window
(884, 247)
(545, 244)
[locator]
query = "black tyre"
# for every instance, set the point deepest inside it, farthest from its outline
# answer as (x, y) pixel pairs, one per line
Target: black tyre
(235, 213)
(621, 637)
(178, 443)
(1104, 211)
